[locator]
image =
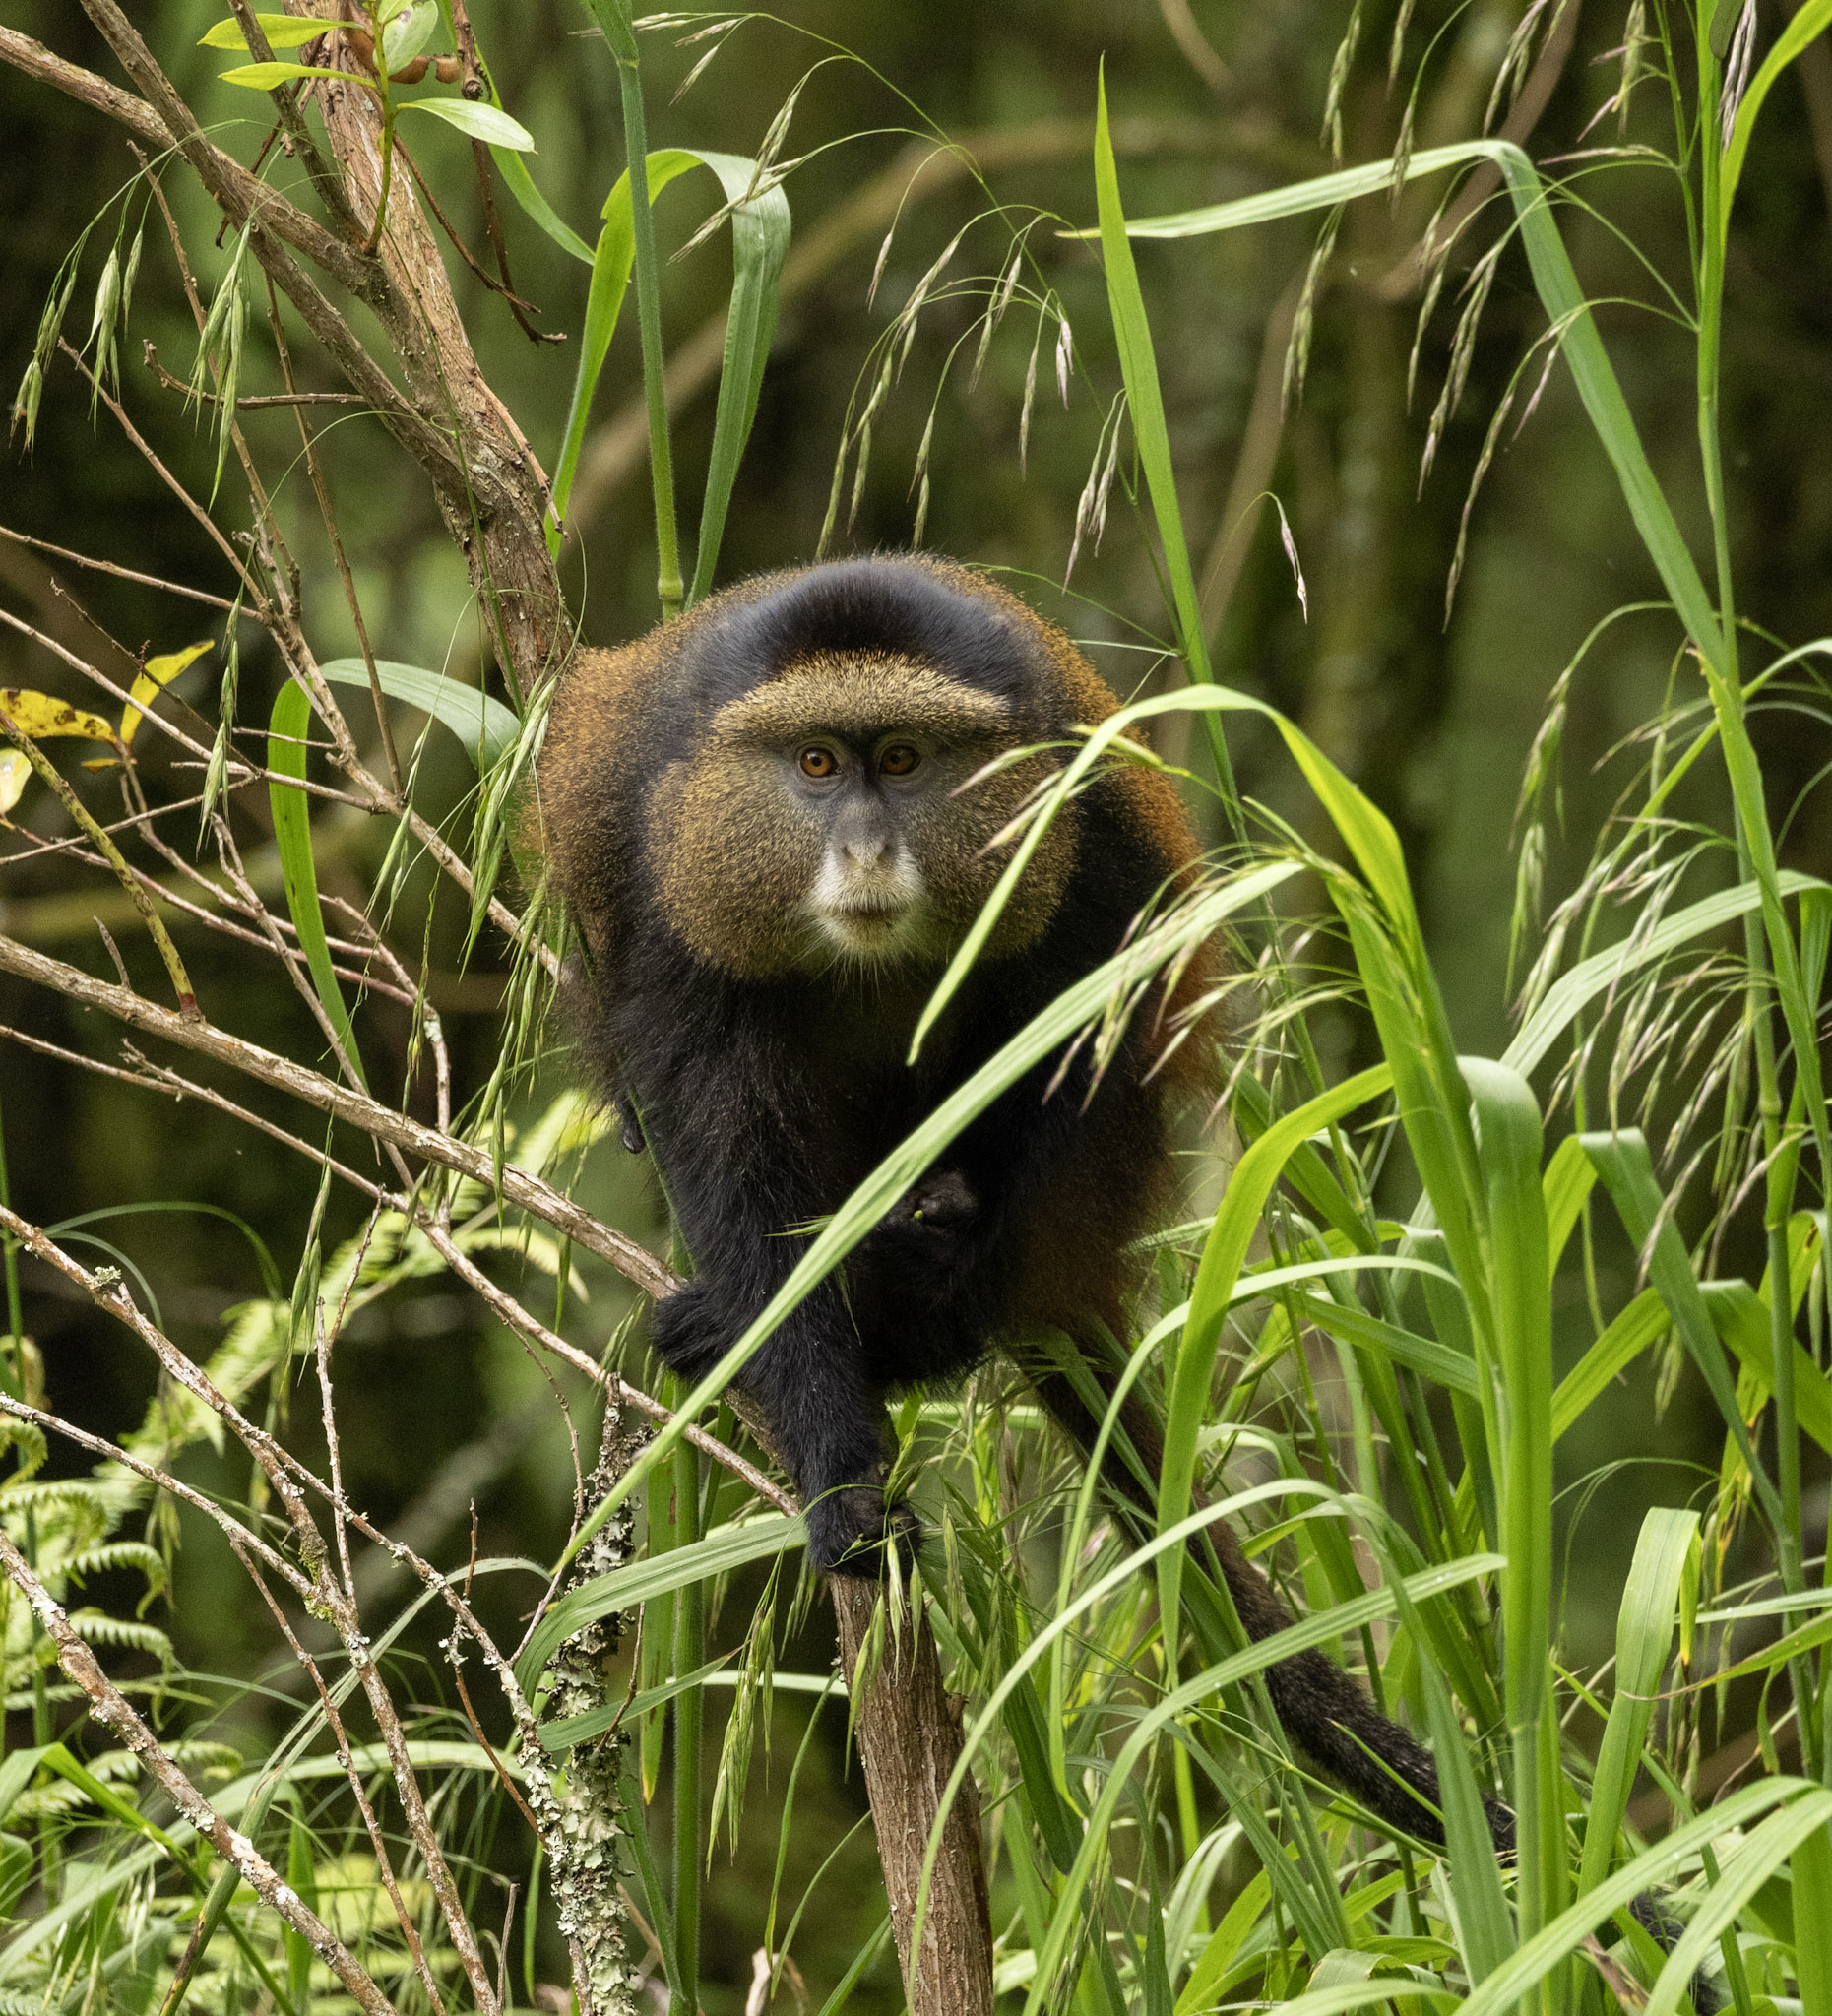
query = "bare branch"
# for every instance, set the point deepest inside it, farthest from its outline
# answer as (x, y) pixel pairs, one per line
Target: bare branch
(527, 1192)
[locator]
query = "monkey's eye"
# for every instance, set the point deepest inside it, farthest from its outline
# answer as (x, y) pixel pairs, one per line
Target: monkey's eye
(818, 762)
(899, 760)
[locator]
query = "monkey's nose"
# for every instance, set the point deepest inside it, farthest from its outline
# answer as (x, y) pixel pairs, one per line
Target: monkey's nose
(868, 852)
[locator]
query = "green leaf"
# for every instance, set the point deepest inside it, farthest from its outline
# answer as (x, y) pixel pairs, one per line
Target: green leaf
(486, 726)
(270, 76)
(409, 33)
(1666, 1558)
(282, 31)
(724, 1548)
(760, 231)
(520, 185)
(293, 835)
(479, 121)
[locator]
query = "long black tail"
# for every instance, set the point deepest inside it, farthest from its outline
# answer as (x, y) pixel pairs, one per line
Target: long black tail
(1322, 1710)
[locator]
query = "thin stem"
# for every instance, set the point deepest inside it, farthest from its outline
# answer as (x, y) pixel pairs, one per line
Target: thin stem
(689, 1731)
(614, 16)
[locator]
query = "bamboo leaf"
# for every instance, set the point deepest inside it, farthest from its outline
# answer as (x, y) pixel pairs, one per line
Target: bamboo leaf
(479, 122)
(486, 726)
(293, 835)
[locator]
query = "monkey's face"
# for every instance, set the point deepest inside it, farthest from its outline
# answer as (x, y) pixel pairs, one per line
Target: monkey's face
(829, 817)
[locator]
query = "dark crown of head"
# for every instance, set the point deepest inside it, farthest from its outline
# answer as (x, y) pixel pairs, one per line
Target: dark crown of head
(888, 608)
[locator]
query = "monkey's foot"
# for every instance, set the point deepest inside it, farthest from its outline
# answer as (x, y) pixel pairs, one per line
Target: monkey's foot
(848, 1529)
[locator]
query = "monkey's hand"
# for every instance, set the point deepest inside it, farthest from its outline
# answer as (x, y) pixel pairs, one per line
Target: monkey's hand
(942, 1203)
(850, 1528)
(688, 1332)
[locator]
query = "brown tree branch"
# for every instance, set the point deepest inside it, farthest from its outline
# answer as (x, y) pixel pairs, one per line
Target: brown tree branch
(527, 1192)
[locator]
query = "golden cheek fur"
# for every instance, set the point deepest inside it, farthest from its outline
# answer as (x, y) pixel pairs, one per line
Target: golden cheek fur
(735, 857)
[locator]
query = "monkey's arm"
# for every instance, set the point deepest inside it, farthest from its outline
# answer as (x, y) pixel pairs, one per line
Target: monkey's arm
(731, 1144)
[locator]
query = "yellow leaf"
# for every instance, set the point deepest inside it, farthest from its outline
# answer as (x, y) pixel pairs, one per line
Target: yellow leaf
(43, 714)
(159, 673)
(14, 770)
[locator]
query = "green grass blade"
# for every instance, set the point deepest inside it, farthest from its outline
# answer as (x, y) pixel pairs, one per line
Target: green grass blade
(1569, 1178)
(1643, 1321)
(1810, 22)
(612, 264)
(1443, 1364)
(722, 1550)
(1508, 1144)
(1222, 1254)
(1781, 1838)
(1565, 306)
(614, 18)
(1627, 1171)
(486, 726)
(760, 228)
(520, 185)
(1666, 1558)
(293, 835)
(1316, 1630)
(1138, 365)
(1813, 1900)
(1805, 1806)
(1742, 1321)
(1609, 969)
(1486, 1923)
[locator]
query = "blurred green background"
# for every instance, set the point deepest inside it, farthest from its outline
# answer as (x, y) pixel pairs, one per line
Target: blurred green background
(1432, 714)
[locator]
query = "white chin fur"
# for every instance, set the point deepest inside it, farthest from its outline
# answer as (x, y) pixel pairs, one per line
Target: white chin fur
(870, 917)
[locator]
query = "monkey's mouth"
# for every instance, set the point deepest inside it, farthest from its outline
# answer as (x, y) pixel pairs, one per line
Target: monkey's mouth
(870, 926)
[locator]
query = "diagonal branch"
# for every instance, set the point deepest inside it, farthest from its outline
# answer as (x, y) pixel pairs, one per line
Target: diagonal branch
(527, 1192)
